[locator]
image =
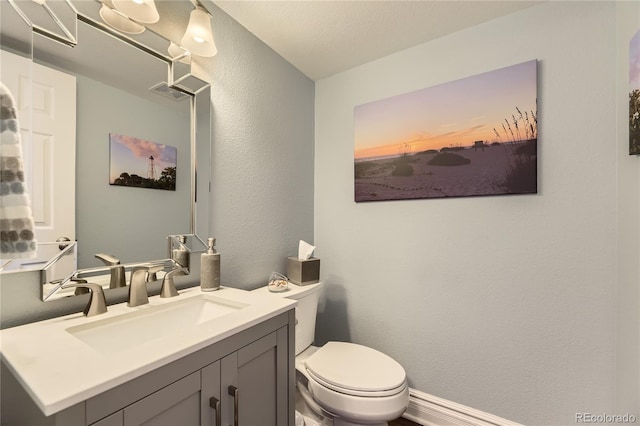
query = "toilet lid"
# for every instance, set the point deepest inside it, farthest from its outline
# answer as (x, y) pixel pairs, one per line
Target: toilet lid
(347, 366)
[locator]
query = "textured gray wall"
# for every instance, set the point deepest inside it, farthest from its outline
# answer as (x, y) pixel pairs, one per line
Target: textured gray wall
(505, 304)
(262, 156)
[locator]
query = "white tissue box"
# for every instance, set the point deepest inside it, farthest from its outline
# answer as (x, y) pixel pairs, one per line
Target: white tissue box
(303, 272)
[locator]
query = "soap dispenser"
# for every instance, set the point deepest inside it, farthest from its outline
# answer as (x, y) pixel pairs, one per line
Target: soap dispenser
(181, 254)
(210, 267)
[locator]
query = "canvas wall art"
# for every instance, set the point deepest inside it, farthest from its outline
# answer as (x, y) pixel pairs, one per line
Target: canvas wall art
(634, 95)
(141, 163)
(469, 137)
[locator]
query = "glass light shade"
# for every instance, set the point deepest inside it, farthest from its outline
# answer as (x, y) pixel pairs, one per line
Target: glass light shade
(143, 11)
(198, 38)
(120, 22)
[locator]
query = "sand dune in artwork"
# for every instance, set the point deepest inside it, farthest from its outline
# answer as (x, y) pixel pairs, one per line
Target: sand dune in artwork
(486, 173)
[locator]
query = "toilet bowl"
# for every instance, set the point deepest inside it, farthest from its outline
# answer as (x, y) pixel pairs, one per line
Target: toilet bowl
(353, 384)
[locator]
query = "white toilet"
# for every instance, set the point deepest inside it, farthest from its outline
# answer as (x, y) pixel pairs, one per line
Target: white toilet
(353, 384)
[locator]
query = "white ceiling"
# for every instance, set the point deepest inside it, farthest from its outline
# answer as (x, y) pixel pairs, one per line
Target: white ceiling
(324, 37)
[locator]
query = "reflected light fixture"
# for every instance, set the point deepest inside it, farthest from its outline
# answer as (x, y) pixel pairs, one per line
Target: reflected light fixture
(198, 38)
(120, 22)
(143, 11)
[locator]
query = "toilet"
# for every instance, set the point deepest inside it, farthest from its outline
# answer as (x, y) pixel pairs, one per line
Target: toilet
(353, 384)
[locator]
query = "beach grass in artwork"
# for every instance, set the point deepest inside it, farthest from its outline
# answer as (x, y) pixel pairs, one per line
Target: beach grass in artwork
(634, 95)
(470, 137)
(141, 163)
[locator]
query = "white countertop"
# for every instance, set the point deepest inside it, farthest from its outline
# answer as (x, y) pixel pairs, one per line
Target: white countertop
(58, 370)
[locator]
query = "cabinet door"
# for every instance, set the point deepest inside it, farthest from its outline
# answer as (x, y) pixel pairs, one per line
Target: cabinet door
(176, 404)
(210, 401)
(116, 419)
(255, 383)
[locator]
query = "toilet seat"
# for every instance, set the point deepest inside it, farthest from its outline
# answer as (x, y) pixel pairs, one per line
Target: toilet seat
(356, 370)
(352, 392)
(359, 409)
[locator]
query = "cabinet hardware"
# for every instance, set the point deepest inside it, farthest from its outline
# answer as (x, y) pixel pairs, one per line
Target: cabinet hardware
(235, 393)
(215, 404)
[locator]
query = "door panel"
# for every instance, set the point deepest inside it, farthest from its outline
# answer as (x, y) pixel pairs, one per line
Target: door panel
(253, 371)
(176, 404)
(46, 108)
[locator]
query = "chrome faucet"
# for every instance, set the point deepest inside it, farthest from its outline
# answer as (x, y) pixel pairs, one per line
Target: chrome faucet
(117, 271)
(168, 286)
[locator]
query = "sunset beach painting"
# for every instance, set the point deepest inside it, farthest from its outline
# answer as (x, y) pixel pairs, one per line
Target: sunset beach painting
(141, 163)
(469, 137)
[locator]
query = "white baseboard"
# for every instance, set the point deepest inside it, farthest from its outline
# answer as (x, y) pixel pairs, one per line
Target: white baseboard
(430, 410)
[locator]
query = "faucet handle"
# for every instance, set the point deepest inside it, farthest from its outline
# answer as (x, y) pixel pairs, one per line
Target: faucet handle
(79, 290)
(118, 278)
(168, 285)
(138, 272)
(153, 270)
(108, 259)
(117, 271)
(97, 302)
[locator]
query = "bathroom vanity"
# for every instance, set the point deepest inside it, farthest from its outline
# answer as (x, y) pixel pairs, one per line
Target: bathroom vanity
(220, 358)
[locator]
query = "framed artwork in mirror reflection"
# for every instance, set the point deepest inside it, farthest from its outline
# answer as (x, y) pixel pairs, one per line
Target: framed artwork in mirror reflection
(141, 163)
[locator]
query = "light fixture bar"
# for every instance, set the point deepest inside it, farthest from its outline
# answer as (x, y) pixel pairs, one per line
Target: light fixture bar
(70, 39)
(59, 23)
(113, 33)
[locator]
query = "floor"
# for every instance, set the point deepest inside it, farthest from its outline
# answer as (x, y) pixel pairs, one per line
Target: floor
(402, 422)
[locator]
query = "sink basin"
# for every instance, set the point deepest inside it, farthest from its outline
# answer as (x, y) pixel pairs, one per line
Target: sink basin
(152, 322)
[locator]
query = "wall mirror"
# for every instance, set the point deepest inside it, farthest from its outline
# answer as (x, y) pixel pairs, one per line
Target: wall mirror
(133, 99)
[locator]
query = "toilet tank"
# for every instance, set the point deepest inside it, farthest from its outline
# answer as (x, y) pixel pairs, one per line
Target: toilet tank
(306, 310)
(307, 297)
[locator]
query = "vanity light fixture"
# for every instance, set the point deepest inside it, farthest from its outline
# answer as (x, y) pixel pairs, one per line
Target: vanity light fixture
(143, 11)
(198, 38)
(120, 22)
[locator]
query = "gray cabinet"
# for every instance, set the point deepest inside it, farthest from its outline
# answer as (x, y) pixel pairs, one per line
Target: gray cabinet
(252, 385)
(245, 379)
